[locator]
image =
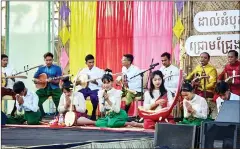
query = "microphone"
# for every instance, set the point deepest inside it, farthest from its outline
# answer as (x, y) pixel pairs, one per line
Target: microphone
(154, 65)
(105, 91)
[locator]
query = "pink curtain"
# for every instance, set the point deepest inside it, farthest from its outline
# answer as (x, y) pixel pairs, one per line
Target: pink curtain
(152, 31)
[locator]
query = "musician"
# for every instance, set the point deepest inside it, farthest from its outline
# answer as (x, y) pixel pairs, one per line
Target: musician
(133, 84)
(204, 85)
(7, 90)
(156, 97)
(233, 65)
(27, 101)
(110, 103)
(172, 73)
(93, 86)
(223, 91)
(195, 107)
(79, 105)
(52, 88)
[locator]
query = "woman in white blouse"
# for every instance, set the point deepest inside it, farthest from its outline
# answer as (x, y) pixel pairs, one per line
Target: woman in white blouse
(155, 98)
(109, 104)
(79, 105)
(195, 107)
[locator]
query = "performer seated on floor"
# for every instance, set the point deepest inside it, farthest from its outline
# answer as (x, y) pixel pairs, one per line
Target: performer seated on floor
(156, 98)
(109, 103)
(223, 91)
(28, 101)
(79, 105)
(195, 107)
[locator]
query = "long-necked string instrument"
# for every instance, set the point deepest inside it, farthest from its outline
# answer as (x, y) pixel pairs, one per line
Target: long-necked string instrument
(28, 69)
(84, 79)
(204, 81)
(44, 79)
(121, 80)
(70, 116)
(231, 77)
(4, 77)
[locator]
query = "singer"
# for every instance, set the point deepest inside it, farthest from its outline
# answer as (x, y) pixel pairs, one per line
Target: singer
(209, 71)
(110, 99)
(205, 86)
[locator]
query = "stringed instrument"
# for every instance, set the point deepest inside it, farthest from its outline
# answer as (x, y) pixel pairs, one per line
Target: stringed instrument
(83, 80)
(231, 77)
(71, 117)
(121, 80)
(43, 78)
(4, 79)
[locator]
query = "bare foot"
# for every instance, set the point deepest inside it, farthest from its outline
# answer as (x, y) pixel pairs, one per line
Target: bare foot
(134, 124)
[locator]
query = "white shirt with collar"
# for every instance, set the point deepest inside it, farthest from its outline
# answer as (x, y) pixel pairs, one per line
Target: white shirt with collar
(30, 102)
(115, 98)
(219, 100)
(9, 72)
(170, 83)
(134, 83)
(78, 102)
(199, 104)
(95, 72)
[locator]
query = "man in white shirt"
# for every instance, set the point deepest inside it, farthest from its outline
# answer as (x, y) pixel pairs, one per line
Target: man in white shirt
(7, 89)
(133, 85)
(171, 75)
(223, 91)
(28, 101)
(93, 86)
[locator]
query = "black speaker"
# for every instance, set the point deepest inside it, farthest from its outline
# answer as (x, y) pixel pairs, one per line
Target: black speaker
(229, 112)
(170, 136)
(220, 135)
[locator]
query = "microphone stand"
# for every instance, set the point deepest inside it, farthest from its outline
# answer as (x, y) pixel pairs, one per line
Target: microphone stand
(141, 74)
(150, 72)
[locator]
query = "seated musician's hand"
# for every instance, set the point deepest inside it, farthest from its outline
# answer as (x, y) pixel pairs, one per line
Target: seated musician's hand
(94, 82)
(19, 99)
(78, 82)
(161, 102)
(105, 96)
(229, 81)
(196, 83)
(125, 84)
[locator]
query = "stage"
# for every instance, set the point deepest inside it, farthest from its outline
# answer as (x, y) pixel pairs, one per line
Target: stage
(16, 136)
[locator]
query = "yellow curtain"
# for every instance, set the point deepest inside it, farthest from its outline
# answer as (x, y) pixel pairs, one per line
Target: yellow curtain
(83, 33)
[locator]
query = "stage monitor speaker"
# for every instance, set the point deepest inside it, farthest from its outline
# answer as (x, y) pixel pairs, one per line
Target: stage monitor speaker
(170, 136)
(229, 112)
(220, 135)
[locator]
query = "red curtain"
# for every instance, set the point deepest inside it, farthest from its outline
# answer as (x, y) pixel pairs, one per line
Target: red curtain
(114, 33)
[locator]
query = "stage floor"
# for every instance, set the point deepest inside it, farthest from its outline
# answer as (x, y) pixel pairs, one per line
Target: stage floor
(30, 136)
